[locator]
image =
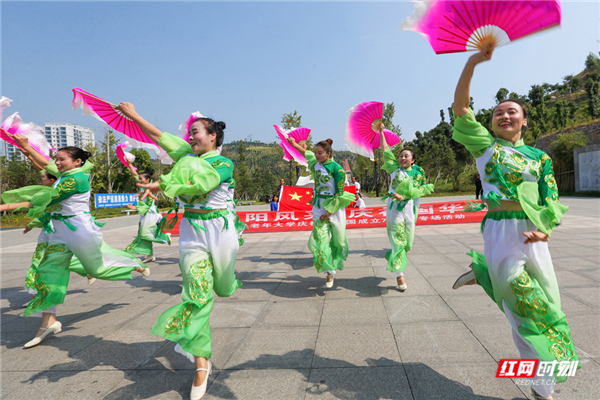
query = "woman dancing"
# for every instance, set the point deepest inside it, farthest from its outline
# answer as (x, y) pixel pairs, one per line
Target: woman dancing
(328, 241)
(148, 229)
(208, 241)
(407, 186)
(523, 209)
(67, 211)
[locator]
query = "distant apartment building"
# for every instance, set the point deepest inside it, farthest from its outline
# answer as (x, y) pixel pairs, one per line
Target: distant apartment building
(59, 135)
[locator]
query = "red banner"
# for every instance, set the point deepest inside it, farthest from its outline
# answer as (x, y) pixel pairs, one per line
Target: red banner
(372, 217)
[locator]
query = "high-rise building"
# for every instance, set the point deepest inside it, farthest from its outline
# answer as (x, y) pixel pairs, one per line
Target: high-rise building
(65, 134)
(58, 135)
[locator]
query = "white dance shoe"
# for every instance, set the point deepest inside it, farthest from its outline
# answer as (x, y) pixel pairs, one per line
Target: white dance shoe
(54, 328)
(402, 286)
(91, 280)
(149, 259)
(465, 278)
(540, 397)
(199, 391)
(329, 281)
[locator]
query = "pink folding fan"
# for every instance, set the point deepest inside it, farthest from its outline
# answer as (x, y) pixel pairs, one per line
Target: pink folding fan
(453, 26)
(290, 152)
(362, 135)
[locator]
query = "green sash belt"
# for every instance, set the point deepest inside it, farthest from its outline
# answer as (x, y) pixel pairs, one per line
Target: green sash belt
(47, 218)
(191, 216)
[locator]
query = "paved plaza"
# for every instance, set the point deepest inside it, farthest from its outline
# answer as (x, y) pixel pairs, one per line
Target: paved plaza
(282, 335)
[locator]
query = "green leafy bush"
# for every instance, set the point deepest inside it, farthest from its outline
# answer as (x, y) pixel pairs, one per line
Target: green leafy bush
(562, 148)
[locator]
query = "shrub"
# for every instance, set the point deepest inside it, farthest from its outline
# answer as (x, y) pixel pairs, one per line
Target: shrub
(562, 148)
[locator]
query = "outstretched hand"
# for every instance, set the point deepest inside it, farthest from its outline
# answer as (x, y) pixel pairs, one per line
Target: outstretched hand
(22, 140)
(154, 186)
(536, 236)
(27, 229)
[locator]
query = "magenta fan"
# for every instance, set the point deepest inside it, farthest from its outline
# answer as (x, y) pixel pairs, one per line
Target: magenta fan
(361, 134)
(105, 112)
(453, 26)
(123, 153)
(34, 133)
(290, 152)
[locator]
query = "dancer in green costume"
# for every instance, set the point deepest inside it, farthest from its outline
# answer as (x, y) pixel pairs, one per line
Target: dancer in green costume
(65, 211)
(521, 195)
(149, 230)
(208, 240)
(328, 241)
(407, 185)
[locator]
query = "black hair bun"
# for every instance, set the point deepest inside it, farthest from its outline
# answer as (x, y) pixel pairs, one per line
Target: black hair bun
(220, 125)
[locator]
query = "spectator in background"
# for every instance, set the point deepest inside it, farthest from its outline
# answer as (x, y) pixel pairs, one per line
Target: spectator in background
(359, 202)
(275, 203)
(478, 186)
(281, 184)
(354, 183)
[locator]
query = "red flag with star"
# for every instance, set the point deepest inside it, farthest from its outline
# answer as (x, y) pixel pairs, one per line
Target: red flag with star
(295, 198)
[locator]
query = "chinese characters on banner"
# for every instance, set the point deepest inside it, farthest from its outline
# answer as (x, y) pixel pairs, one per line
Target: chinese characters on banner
(373, 217)
(107, 200)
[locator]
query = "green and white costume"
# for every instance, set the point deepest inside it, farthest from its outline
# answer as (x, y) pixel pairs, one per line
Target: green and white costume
(208, 244)
(401, 216)
(328, 241)
(70, 230)
(519, 277)
(148, 229)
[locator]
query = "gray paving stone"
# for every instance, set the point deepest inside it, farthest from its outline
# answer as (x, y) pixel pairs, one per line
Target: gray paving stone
(68, 385)
(366, 383)
(439, 342)
(355, 345)
(459, 382)
(354, 311)
(235, 314)
(259, 384)
(275, 347)
(408, 309)
(291, 313)
(283, 335)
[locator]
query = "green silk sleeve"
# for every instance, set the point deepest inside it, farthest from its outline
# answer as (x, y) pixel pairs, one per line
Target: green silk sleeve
(51, 169)
(40, 197)
(36, 223)
(412, 189)
(190, 176)
(176, 147)
(470, 133)
(143, 208)
(540, 200)
(310, 159)
(390, 163)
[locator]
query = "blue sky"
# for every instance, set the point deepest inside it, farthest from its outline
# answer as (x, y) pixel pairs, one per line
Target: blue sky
(248, 63)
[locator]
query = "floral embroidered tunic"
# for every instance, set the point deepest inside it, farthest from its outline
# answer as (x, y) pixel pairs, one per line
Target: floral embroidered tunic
(514, 172)
(410, 182)
(200, 182)
(329, 180)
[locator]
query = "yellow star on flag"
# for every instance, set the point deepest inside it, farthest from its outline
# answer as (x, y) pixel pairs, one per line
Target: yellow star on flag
(295, 196)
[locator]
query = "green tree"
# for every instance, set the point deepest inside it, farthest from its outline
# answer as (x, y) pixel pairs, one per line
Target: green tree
(591, 61)
(501, 95)
(562, 148)
(592, 87)
(388, 116)
(125, 181)
(241, 174)
(107, 162)
(291, 121)
(442, 116)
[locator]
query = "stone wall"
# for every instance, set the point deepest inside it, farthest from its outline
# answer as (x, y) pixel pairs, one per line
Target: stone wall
(592, 132)
(587, 168)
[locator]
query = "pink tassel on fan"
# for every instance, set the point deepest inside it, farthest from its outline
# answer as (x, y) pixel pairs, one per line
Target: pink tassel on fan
(34, 133)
